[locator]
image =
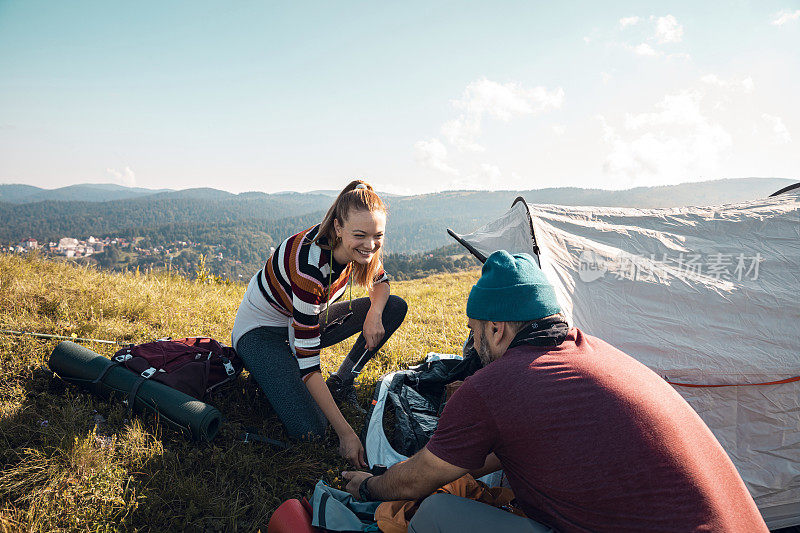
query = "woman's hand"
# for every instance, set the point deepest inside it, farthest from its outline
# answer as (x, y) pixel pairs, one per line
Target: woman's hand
(373, 329)
(351, 449)
(349, 444)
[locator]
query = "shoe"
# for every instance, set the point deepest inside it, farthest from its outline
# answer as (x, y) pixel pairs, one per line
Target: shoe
(344, 393)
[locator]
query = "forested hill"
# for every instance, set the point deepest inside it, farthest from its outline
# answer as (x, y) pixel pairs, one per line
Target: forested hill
(171, 229)
(417, 223)
(51, 220)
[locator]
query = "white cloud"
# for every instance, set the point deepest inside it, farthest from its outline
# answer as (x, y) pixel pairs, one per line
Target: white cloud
(628, 21)
(682, 109)
(668, 30)
(665, 30)
(482, 100)
(463, 132)
(781, 133)
(682, 56)
(785, 16)
(490, 174)
(433, 154)
(746, 85)
(559, 129)
(503, 101)
(486, 98)
(606, 77)
(676, 142)
(644, 49)
(126, 177)
(484, 176)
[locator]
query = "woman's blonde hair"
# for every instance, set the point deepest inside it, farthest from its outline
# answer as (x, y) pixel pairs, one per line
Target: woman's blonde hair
(360, 196)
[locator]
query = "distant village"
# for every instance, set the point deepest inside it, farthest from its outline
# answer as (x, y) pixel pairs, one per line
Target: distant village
(74, 248)
(116, 253)
(67, 246)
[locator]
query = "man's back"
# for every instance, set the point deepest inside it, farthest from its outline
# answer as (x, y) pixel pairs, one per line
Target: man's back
(592, 440)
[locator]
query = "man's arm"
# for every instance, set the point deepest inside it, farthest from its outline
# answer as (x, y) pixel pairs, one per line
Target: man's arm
(413, 478)
(466, 434)
(492, 464)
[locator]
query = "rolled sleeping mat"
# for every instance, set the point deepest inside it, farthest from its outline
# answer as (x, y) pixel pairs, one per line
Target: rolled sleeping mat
(81, 366)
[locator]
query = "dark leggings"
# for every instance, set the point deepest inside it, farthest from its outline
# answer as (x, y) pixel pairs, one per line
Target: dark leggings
(266, 355)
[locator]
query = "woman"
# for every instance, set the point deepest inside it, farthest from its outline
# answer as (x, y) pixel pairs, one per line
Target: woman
(286, 316)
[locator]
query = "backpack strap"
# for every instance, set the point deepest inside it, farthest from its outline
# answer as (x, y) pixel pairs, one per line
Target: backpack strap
(144, 376)
(228, 365)
(96, 382)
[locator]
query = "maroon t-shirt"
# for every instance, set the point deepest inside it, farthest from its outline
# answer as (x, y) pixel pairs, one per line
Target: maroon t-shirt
(592, 440)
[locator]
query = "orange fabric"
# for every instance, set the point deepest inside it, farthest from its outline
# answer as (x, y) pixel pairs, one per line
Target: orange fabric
(394, 516)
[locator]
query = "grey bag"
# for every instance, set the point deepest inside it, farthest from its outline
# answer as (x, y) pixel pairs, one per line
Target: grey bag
(336, 510)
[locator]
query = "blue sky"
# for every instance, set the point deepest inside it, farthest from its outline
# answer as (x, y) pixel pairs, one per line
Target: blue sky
(414, 96)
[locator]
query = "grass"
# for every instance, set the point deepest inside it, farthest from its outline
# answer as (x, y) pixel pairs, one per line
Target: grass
(72, 461)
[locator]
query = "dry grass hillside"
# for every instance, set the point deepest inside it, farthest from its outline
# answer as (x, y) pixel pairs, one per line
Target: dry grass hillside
(71, 461)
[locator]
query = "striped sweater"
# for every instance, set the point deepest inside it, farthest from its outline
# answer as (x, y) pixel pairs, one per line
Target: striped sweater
(295, 282)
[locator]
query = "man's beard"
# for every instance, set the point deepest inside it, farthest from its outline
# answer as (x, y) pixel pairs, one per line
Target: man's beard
(483, 350)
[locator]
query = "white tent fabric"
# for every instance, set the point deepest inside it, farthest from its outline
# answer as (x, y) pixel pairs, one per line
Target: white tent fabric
(701, 295)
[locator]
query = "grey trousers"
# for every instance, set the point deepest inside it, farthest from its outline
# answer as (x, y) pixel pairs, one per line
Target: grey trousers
(266, 354)
(445, 513)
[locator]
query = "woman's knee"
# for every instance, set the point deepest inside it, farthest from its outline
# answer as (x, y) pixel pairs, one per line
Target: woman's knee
(396, 308)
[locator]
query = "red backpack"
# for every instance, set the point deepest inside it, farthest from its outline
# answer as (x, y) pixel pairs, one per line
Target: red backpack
(195, 365)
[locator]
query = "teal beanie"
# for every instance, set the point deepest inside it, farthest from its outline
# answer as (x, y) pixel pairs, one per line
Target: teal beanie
(512, 288)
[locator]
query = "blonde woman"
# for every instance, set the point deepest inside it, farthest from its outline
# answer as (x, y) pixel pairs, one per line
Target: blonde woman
(287, 316)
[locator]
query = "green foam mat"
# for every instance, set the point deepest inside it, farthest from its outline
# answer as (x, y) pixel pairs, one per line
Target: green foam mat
(81, 366)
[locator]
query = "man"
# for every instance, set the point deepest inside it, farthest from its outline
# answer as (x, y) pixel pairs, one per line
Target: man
(589, 438)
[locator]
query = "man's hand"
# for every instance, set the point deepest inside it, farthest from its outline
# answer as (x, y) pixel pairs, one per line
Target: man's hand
(354, 480)
(413, 478)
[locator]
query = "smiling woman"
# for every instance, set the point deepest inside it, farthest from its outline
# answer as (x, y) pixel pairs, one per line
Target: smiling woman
(287, 316)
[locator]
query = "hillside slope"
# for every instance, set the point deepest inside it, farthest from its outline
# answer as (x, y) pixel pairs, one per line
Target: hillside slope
(71, 461)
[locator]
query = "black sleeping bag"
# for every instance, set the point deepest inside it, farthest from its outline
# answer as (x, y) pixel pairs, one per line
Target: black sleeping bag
(416, 397)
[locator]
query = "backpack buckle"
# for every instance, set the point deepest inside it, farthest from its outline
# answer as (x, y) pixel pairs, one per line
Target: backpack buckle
(124, 357)
(228, 367)
(147, 374)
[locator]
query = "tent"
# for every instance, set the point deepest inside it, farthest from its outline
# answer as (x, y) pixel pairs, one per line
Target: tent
(707, 297)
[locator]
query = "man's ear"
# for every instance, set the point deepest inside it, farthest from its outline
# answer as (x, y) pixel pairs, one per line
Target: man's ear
(496, 330)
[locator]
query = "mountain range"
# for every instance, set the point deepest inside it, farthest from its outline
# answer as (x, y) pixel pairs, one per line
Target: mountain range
(102, 192)
(416, 223)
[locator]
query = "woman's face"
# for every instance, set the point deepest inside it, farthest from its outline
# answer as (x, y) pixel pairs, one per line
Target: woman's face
(361, 236)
